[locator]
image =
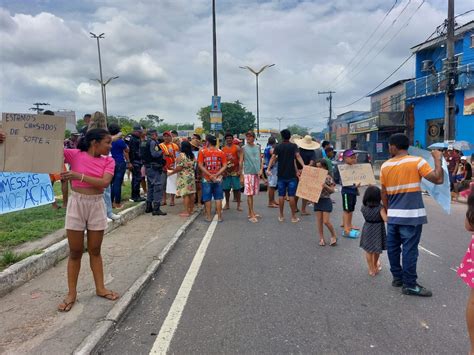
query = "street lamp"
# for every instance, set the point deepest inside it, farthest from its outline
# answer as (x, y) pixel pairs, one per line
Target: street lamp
(257, 73)
(101, 80)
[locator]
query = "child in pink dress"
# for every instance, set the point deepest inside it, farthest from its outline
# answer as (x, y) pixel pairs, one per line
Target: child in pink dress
(466, 270)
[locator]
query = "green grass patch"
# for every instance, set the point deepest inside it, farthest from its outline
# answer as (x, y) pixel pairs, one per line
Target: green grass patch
(8, 257)
(34, 223)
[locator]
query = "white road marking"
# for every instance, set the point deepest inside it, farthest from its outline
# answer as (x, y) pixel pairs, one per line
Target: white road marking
(429, 252)
(164, 338)
(451, 268)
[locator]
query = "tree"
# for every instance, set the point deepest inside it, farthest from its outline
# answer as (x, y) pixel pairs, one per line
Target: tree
(80, 124)
(235, 118)
(67, 134)
(299, 130)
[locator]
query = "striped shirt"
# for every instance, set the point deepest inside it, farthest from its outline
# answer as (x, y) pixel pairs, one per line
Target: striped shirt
(401, 178)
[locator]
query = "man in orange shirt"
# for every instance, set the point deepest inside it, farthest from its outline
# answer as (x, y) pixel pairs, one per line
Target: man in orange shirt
(170, 151)
(400, 178)
(231, 178)
(212, 162)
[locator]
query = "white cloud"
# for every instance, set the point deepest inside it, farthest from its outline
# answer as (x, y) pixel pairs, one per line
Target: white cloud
(162, 51)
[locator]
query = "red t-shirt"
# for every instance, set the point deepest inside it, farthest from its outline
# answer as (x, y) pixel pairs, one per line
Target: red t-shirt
(233, 159)
(212, 159)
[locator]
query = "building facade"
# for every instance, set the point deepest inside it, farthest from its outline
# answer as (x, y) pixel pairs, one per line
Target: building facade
(426, 93)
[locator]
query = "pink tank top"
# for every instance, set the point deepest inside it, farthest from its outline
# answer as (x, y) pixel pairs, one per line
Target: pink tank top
(83, 163)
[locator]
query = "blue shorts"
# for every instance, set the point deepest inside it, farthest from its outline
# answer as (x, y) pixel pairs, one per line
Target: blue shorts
(212, 190)
(231, 183)
(287, 186)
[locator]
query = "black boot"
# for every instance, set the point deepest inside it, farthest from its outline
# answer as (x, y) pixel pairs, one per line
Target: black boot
(149, 207)
(157, 211)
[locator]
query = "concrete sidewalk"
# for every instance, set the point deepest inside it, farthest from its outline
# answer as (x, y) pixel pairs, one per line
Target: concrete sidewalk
(30, 320)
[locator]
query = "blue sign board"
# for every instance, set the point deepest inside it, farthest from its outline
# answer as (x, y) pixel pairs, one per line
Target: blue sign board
(216, 103)
(19, 191)
(216, 126)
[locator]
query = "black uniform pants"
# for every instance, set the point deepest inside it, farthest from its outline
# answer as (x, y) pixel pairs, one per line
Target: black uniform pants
(136, 180)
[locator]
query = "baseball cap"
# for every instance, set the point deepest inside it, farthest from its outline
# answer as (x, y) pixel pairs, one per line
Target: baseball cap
(463, 158)
(137, 128)
(167, 133)
(348, 153)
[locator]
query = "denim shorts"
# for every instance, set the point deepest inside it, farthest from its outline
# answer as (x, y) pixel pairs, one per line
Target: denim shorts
(287, 186)
(212, 190)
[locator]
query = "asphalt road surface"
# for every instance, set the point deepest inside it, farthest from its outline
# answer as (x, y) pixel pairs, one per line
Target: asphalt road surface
(270, 288)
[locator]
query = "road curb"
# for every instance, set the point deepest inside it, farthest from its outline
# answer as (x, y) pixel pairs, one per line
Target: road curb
(25, 270)
(103, 328)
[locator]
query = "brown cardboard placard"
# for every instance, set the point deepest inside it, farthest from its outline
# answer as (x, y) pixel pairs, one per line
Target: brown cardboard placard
(33, 143)
(311, 183)
(357, 173)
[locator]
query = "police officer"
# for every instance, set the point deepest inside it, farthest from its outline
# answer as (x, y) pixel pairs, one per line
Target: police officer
(153, 159)
(134, 144)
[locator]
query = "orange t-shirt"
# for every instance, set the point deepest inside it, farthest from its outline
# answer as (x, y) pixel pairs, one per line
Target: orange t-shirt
(233, 159)
(212, 159)
(169, 153)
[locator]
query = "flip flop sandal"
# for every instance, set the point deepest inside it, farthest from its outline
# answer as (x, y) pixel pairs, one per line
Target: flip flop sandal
(281, 219)
(110, 296)
(305, 214)
(295, 220)
(253, 220)
(67, 306)
(333, 243)
(322, 243)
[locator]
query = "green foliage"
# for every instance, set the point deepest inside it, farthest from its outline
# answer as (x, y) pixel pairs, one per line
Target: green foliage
(67, 134)
(296, 129)
(235, 118)
(150, 121)
(9, 258)
(80, 124)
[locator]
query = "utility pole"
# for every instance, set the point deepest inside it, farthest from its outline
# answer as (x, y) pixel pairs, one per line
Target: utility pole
(214, 45)
(329, 98)
(450, 99)
(38, 109)
(279, 122)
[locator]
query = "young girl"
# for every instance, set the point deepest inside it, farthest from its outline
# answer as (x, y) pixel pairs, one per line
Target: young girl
(323, 207)
(466, 270)
(374, 237)
(185, 184)
(91, 172)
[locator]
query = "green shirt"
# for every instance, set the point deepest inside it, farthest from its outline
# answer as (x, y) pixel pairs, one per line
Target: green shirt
(252, 160)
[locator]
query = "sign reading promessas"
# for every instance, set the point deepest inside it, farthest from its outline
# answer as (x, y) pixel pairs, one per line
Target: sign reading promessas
(357, 173)
(311, 183)
(19, 191)
(33, 143)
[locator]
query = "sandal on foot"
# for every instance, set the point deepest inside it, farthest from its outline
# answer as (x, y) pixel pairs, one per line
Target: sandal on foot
(111, 296)
(322, 243)
(296, 220)
(66, 306)
(333, 242)
(253, 220)
(281, 219)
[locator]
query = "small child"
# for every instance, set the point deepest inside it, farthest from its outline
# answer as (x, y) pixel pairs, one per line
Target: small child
(466, 270)
(323, 207)
(374, 237)
(349, 199)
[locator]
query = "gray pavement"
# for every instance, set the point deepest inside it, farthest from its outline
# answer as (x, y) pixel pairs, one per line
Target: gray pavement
(269, 288)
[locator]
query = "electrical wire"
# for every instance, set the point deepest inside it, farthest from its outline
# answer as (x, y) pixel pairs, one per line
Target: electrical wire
(379, 39)
(367, 41)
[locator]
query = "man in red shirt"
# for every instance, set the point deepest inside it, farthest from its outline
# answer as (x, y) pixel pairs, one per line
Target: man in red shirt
(231, 180)
(212, 162)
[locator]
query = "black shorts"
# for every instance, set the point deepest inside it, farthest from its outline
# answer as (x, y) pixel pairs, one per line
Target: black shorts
(349, 202)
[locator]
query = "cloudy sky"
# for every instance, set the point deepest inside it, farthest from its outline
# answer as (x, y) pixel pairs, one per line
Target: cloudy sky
(162, 51)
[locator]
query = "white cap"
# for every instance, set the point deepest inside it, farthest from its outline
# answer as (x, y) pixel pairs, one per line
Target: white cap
(463, 158)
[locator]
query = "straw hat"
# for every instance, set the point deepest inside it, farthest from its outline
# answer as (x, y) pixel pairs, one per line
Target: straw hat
(295, 137)
(307, 143)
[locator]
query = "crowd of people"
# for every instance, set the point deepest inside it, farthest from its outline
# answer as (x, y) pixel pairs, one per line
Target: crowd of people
(198, 171)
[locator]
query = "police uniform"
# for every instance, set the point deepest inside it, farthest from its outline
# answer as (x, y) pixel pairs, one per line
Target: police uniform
(154, 162)
(135, 160)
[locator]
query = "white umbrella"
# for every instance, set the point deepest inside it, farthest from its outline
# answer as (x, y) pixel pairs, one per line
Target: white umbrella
(463, 145)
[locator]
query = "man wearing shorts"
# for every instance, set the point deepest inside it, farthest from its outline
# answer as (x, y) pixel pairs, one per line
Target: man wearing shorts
(231, 180)
(212, 162)
(349, 198)
(285, 154)
(252, 168)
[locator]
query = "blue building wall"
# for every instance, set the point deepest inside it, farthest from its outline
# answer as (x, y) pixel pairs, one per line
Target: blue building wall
(432, 106)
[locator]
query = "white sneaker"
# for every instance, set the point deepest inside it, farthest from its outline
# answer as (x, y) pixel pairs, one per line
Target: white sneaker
(109, 220)
(114, 217)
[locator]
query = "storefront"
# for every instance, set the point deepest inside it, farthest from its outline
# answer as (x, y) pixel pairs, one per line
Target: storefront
(372, 134)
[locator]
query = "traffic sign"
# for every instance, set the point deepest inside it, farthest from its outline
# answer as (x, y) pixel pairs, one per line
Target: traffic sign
(216, 126)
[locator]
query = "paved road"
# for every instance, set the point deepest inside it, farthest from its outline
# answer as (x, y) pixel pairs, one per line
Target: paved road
(269, 288)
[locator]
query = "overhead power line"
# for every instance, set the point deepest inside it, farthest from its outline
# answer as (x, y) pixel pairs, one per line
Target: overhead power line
(367, 40)
(378, 40)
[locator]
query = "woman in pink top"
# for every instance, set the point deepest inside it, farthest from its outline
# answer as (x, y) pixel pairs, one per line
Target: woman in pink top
(466, 270)
(91, 172)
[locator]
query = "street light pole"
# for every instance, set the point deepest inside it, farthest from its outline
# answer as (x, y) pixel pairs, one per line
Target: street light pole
(214, 46)
(101, 80)
(257, 73)
(450, 99)
(279, 122)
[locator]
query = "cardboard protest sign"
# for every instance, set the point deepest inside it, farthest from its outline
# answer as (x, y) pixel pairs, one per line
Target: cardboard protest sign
(33, 143)
(311, 183)
(440, 193)
(357, 173)
(19, 191)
